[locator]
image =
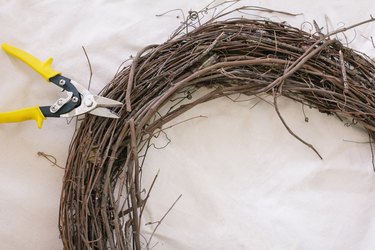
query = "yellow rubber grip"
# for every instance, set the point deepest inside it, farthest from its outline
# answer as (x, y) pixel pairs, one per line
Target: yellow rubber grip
(43, 68)
(33, 113)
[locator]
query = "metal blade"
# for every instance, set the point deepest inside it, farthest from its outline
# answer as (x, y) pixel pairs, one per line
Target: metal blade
(104, 112)
(82, 90)
(106, 102)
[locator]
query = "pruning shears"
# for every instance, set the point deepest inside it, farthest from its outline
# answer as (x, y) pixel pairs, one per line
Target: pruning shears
(79, 100)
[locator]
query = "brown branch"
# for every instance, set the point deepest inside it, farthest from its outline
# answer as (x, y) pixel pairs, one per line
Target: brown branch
(289, 130)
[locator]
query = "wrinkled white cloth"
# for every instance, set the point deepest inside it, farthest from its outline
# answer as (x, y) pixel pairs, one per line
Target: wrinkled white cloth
(246, 183)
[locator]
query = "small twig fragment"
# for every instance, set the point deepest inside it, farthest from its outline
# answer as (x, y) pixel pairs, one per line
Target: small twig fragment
(318, 29)
(50, 158)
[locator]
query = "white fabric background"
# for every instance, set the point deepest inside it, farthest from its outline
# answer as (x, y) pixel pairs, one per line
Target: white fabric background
(245, 182)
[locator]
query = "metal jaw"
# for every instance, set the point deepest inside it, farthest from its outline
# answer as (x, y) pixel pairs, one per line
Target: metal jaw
(89, 103)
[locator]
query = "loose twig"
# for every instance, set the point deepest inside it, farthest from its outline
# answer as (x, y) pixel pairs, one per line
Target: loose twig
(50, 158)
(158, 223)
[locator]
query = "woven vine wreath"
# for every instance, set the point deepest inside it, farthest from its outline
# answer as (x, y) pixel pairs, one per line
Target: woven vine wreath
(102, 199)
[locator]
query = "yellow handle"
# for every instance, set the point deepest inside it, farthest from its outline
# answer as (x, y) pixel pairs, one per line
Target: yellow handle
(43, 68)
(33, 113)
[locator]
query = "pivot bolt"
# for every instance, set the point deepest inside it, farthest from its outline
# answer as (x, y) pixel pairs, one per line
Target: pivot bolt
(54, 108)
(62, 82)
(88, 102)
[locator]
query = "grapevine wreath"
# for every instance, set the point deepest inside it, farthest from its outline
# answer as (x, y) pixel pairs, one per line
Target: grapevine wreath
(102, 200)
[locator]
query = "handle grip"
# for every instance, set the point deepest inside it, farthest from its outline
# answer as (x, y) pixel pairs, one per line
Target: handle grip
(33, 113)
(43, 68)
